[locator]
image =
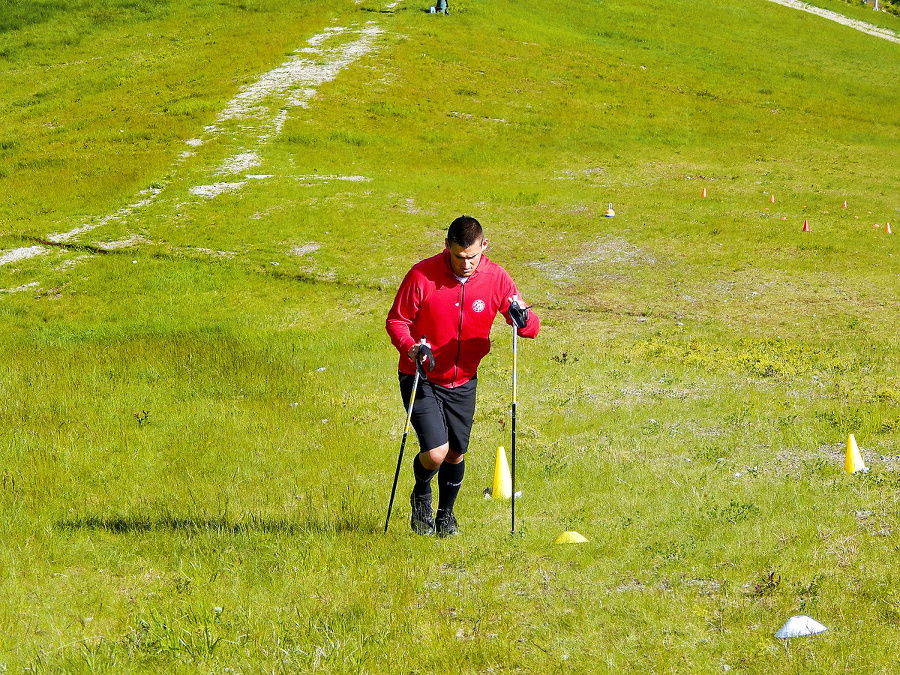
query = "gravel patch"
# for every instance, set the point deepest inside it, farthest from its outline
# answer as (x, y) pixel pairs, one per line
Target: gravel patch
(18, 254)
(216, 189)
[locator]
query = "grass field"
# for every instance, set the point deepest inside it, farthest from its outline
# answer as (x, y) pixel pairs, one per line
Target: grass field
(205, 210)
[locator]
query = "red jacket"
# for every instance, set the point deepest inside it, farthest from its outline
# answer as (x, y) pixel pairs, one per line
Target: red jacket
(455, 318)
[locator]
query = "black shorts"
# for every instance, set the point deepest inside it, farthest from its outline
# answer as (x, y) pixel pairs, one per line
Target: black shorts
(441, 415)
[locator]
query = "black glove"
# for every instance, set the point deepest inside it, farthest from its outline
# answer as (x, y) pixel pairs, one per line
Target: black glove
(518, 314)
(424, 350)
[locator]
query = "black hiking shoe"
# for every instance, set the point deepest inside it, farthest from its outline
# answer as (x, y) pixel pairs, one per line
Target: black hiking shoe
(446, 524)
(421, 521)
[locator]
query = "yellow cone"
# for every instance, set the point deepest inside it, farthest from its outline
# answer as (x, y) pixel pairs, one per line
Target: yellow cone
(502, 488)
(570, 537)
(854, 461)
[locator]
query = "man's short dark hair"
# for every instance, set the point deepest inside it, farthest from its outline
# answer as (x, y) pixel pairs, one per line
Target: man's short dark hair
(464, 231)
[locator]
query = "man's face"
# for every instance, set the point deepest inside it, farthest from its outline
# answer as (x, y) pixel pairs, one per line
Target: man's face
(465, 260)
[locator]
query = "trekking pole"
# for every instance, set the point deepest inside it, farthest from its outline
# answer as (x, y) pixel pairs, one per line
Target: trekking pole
(423, 350)
(519, 316)
(513, 443)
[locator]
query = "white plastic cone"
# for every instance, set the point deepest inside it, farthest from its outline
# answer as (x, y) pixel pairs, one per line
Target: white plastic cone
(798, 626)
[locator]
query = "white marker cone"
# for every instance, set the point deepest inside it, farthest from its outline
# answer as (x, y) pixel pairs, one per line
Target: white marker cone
(799, 626)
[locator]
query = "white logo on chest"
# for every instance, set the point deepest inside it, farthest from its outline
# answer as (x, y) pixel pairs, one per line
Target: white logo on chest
(478, 306)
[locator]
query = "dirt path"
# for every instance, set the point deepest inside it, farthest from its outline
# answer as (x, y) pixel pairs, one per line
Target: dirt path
(884, 33)
(247, 124)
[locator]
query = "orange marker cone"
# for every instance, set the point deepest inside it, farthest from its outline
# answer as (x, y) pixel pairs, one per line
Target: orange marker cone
(704, 192)
(772, 199)
(806, 226)
(887, 229)
(845, 204)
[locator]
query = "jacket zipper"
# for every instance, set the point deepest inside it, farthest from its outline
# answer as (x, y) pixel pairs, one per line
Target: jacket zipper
(462, 304)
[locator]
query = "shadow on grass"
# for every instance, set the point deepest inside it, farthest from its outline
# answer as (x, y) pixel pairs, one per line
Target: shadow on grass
(252, 525)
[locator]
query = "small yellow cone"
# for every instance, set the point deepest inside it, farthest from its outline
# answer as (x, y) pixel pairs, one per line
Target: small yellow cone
(570, 537)
(854, 461)
(502, 488)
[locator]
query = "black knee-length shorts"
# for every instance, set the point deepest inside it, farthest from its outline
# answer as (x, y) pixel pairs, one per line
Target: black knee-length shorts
(441, 415)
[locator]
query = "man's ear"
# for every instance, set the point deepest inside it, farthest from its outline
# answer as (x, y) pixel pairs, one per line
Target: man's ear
(447, 244)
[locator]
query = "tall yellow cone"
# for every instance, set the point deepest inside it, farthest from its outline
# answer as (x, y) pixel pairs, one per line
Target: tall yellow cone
(502, 488)
(854, 461)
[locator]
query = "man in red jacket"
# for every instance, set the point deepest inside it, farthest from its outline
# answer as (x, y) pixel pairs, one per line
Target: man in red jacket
(451, 300)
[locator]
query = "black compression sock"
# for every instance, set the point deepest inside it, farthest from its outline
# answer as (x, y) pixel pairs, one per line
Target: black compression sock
(450, 477)
(423, 478)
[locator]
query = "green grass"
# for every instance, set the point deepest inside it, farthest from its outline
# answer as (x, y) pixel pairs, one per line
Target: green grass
(199, 429)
